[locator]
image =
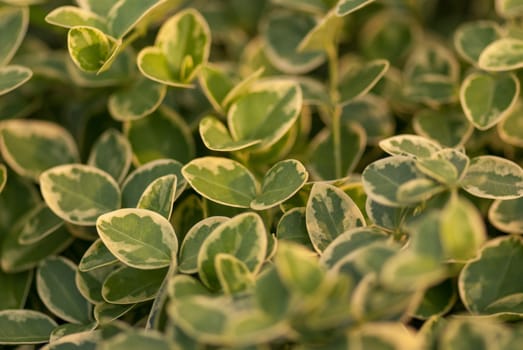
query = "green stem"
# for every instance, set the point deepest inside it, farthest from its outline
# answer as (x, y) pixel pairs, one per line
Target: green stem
(332, 54)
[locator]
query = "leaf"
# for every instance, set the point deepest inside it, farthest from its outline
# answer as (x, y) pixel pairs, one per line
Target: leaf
(182, 46)
(89, 283)
(25, 327)
(410, 145)
(439, 169)
(509, 8)
(234, 276)
(163, 134)
(470, 39)
(15, 289)
(412, 272)
(482, 334)
(385, 336)
(55, 283)
(221, 180)
(81, 340)
(243, 237)
(159, 196)
(387, 217)
(491, 277)
(137, 101)
(216, 83)
(329, 213)
(360, 79)
(331, 158)
(282, 33)
(3, 177)
(502, 55)
(96, 256)
(72, 16)
(505, 215)
(281, 182)
(462, 230)
(79, 193)
(106, 312)
(32, 146)
(486, 99)
(40, 223)
(510, 128)
(89, 47)
(13, 25)
(111, 153)
(417, 190)
(136, 340)
(216, 137)
(345, 7)
(16, 257)
(137, 182)
(432, 90)
(447, 127)
(323, 36)
(383, 178)
(267, 112)
(493, 177)
(126, 285)
(140, 238)
(193, 240)
(293, 227)
(126, 14)
(437, 300)
(12, 77)
(313, 6)
(67, 332)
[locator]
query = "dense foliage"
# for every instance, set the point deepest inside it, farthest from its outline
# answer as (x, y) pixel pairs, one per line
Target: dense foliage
(261, 174)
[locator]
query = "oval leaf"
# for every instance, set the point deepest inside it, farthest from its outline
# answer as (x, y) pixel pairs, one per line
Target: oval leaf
(56, 286)
(221, 180)
(111, 153)
(12, 77)
(25, 327)
(41, 222)
(360, 79)
(139, 238)
(486, 99)
(345, 7)
(159, 196)
(216, 137)
(470, 39)
(410, 145)
(329, 213)
(89, 47)
(13, 25)
(72, 16)
(506, 215)
(79, 193)
(96, 256)
(502, 55)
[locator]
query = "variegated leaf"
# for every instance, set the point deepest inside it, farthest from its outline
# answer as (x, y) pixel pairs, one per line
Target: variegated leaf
(72, 16)
(40, 223)
(25, 327)
(111, 153)
(13, 25)
(159, 196)
(345, 7)
(501, 55)
(410, 145)
(12, 77)
(96, 256)
(90, 48)
(471, 38)
(216, 137)
(505, 215)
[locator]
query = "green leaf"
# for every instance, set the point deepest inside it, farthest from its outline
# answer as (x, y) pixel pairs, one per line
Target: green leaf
(140, 238)
(107, 312)
(470, 39)
(40, 223)
(432, 90)
(96, 256)
(488, 284)
(329, 213)
(163, 134)
(439, 169)
(32, 146)
(111, 153)
(360, 79)
(348, 242)
(510, 128)
(56, 286)
(136, 340)
(221, 180)
(89, 47)
(486, 99)
(493, 177)
(182, 46)
(67, 332)
(462, 230)
(72, 16)
(137, 101)
(323, 36)
(79, 193)
(282, 33)
(417, 190)
(437, 300)
(216, 137)
(193, 240)
(89, 283)
(387, 217)
(473, 333)
(159, 196)
(12, 77)
(281, 182)
(267, 112)
(313, 6)
(345, 7)
(505, 215)
(509, 8)
(502, 55)
(385, 336)
(80, 340)
(383, 178)
(126, 14)
(216, 83)
(13, 25)
(293, 227)
(3, 177)
(331, 158)
(447, 127)
(16, 257)
(233, 275)
(15, 289)
(412, 272)
(242, 87)
(243, 237)
(129, 286)
(410, 145)
(25, 327)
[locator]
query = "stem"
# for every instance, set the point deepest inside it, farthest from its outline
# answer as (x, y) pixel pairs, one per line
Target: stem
(332, 54)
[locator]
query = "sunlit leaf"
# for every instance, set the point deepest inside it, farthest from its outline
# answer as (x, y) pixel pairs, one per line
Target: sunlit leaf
(13, 25)
(111, 153)
(25, 327)
(12, 77)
